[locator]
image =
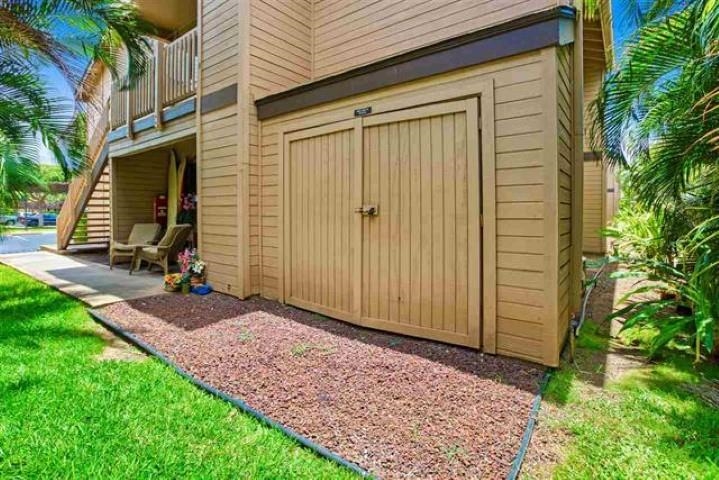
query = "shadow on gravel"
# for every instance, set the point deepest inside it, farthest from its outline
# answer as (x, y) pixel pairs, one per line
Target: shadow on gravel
(193, 312)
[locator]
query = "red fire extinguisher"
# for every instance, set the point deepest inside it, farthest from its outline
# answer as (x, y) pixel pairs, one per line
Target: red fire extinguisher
(160, 209)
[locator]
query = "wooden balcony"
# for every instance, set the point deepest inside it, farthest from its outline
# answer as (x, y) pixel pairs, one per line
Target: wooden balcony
(170, 78)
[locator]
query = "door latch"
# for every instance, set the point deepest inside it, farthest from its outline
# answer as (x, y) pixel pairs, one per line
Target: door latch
(367, 210)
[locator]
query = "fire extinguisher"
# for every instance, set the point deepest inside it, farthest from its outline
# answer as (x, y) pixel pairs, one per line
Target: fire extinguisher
(160, 209)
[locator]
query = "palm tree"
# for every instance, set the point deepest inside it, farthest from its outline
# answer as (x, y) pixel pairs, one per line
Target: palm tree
(657, 118)
(67, 35)
(657, 112)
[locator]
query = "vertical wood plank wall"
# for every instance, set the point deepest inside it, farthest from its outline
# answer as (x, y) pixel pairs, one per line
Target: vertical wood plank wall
(218, 146)
(139, 179)
(523, 314)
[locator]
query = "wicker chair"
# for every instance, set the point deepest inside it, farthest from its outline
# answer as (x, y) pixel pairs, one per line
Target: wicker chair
(142, 234)
(166, 249)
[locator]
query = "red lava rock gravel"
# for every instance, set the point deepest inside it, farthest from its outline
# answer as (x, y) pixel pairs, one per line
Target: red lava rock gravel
(399, 407)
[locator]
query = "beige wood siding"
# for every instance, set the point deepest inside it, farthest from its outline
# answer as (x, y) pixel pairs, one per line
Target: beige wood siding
(219, 45)
(594, 187)
(565, 101)
(136, 181)
(218, 147)
(348, 33)
(593, 73)
(596, 198)
(280, 57)
(525, 306)
(219, 199)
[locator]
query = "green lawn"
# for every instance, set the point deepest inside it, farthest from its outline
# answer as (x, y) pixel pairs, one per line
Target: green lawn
(66, 414)
(648, 423)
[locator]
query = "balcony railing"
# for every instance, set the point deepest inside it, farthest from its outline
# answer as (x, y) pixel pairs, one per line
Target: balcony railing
(171, 77)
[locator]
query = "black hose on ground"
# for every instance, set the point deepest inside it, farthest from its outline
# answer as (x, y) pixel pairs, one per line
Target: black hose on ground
(236, 402)
(529, 429)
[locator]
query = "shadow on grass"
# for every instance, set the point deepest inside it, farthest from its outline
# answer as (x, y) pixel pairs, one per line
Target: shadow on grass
(693, 422)
(592, 346)
(32, 337)
(24, 315)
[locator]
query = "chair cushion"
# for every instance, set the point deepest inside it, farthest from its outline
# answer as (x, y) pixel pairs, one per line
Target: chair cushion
(122, 247)
(151, 253)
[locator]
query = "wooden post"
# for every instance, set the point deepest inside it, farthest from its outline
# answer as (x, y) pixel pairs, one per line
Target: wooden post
(159, 82)
(129, 96)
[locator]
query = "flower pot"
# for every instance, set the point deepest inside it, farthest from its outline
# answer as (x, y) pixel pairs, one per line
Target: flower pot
(186, 288)
(171, 288)
(197, 280)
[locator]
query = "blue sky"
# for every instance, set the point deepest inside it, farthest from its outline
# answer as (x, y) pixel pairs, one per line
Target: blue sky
(57, 88)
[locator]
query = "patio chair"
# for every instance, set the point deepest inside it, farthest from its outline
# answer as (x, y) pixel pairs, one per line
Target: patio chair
(166, 249)
(141, 234)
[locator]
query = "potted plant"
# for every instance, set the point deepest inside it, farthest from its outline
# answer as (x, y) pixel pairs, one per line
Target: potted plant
(173, 282)
(185, 285)
(192, 266)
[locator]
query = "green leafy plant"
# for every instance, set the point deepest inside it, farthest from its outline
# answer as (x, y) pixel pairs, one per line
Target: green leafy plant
(690, 315)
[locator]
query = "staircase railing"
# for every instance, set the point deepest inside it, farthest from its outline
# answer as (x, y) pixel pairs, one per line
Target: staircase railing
(80, 189)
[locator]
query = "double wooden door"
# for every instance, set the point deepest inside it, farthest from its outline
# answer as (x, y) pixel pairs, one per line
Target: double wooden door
(381, 221)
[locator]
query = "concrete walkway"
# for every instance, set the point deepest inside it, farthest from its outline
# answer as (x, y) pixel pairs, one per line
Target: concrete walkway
(93, 283)
(25, 242)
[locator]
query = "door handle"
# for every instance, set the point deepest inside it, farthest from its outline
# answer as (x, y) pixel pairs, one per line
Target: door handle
(367, 210)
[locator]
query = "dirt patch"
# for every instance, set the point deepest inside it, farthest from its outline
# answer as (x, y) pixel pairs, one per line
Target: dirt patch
(397, 406)
(117, 349)
(547, 447)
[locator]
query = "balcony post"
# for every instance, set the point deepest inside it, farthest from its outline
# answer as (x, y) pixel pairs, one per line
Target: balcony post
(130, 114)
(159, 82)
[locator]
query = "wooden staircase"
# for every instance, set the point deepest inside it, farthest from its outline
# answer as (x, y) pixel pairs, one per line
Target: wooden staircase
(84, 219)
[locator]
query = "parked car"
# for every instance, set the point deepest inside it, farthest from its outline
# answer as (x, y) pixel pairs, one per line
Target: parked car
(8, 219)
(48, 219)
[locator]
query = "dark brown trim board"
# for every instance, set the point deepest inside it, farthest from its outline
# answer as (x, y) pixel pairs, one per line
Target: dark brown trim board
(218, 99)
(532, 32)
(591, 156)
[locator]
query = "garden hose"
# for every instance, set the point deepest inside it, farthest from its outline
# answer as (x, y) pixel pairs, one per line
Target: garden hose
(529, 429)
(576, 324)
(574, 327)
(236, 402)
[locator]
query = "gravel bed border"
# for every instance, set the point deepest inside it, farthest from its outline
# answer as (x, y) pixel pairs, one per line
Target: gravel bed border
(236, 402)
(531, 424)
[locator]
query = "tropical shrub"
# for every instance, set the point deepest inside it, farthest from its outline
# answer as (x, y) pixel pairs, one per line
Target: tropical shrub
(656, 118)
(690, 316)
